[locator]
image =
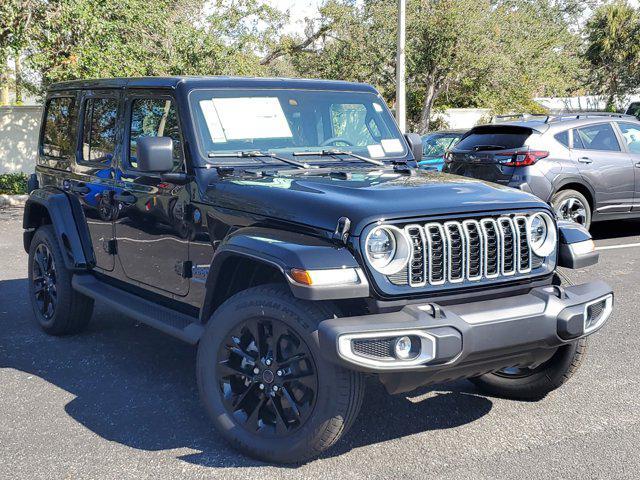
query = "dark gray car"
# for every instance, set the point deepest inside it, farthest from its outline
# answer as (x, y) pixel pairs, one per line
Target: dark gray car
(587, 166)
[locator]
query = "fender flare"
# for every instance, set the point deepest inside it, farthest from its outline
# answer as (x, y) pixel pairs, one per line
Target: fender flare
(566, 180)
(69, 225)
(282, 251)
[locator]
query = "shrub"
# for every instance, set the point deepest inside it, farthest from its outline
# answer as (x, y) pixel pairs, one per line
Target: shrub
(13, 183)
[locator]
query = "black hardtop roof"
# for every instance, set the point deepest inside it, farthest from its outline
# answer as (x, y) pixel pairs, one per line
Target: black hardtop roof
(212, 82)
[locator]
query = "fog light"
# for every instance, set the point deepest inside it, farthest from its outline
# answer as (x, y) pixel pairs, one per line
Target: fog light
(403, 347)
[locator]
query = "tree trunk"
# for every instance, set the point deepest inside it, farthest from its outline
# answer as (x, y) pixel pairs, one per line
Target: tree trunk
(4, 81)
(18, 73)
(425, 117)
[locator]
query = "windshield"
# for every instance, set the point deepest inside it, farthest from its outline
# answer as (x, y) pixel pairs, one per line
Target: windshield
(436, 144)
(285, 122)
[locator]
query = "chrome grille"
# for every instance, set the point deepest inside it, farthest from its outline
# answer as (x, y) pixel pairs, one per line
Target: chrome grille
(469, 250)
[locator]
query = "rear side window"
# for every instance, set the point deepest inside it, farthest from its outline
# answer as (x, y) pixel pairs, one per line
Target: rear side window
(99, 130)
(631, 135)
(155, 117)
(563, 138)
(494, 138)
(58, 139)
(596, 137)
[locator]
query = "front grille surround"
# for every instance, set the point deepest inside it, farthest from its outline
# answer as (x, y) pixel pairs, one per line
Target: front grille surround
(453, 253)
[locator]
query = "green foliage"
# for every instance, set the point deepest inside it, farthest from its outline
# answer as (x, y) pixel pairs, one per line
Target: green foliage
(613, 50)
(13, 184)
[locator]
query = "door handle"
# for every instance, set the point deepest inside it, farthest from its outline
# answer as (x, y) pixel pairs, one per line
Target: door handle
(638, 165)
(585, 160)
(80, 187)
(125, 197)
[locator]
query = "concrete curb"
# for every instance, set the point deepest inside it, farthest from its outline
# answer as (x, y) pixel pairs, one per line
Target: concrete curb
(13, 200)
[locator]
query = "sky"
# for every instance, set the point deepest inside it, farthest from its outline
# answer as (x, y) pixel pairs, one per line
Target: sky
(299, 10)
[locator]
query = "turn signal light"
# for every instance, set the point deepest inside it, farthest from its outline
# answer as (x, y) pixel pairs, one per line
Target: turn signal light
(324, 278)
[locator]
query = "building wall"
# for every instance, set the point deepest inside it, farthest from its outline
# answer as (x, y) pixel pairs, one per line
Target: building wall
(19, 128)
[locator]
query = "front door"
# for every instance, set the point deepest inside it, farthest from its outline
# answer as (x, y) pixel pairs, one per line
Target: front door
(152, 241)
(600, 159)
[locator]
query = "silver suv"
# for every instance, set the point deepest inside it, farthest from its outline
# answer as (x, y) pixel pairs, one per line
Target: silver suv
(586, 165)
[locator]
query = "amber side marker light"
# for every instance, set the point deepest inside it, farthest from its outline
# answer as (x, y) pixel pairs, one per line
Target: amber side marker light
(319, 278)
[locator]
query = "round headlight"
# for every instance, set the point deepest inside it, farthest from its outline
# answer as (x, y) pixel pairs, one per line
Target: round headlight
(542, 234)
(387, 249)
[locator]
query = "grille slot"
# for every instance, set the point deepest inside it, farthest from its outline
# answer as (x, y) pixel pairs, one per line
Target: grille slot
(381, 348)
(468, 250)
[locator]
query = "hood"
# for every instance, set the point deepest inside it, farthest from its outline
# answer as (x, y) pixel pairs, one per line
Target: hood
(364, 197)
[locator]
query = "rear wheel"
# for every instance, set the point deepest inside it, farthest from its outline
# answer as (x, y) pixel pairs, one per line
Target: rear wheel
(264, 383)
(58, 308)
(572, 205)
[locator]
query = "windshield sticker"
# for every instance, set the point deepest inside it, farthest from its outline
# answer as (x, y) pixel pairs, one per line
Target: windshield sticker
(251, 117)
(213, 121)
(392, 145)
(375, 151)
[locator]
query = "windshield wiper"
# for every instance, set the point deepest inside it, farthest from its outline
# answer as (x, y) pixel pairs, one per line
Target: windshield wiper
(259, 154)
(335, 152)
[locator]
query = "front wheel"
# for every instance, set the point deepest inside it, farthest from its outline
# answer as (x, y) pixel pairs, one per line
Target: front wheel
(264, 383)
(535, 383)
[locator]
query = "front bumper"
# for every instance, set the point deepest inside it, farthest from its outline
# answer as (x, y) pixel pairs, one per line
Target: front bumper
(468, 339)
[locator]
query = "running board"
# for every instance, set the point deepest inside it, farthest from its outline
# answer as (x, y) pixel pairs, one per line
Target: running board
(166, 320)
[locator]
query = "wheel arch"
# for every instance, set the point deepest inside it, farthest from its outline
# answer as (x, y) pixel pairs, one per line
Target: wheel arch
(54, 207)
(579, 185)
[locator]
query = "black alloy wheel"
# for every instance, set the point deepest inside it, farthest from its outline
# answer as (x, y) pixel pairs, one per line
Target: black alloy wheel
(267, 377)
(44, 279)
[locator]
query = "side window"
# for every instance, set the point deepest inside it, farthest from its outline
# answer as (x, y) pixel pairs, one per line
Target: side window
(155, 117)
(631, 135)
(563, 138)
(58, 138)
(99, 130)
(596, 137)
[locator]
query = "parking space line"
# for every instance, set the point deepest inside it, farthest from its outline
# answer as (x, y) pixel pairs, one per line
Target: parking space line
(615, 247)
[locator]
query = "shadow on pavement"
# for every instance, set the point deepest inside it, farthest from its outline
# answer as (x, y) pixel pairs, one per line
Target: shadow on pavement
(615, 229)
(136, 386)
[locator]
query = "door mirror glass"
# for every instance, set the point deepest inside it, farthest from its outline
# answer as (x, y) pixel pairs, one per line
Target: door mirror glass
(415, 144)
(155, 154)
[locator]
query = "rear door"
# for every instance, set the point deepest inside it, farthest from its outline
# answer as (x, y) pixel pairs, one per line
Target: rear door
(93, 178)
(483, 151)
(630, 136)
(601, 160)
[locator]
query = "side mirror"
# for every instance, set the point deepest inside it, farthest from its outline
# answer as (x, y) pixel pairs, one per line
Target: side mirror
(155, 154)
(415, 144)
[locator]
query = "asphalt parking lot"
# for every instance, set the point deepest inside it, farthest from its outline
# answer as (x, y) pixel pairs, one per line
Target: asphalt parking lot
(120, 401)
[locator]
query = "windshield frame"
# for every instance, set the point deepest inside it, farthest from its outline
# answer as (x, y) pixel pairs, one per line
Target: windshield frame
(235, 160)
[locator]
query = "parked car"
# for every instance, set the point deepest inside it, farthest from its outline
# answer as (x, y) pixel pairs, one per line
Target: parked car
(282, 227)
(585, 165)
(435, 145)
(633, 109)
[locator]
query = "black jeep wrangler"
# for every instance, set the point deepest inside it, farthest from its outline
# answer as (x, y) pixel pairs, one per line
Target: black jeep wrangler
(281, 226)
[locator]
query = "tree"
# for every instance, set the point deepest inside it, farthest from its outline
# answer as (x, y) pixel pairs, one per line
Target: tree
(613, 51)
(16, 20)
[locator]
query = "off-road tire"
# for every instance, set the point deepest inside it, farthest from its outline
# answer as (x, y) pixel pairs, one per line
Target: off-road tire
(549, 376)
(339, 393)
(73, 310)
